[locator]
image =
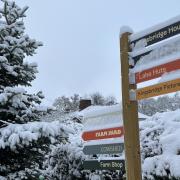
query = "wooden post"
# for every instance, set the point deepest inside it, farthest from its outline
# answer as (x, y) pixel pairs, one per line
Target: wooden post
(130, 116)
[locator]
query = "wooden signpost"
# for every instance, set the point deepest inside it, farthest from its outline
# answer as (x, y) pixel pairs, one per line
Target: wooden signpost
(104, 165)
(115, 148)
(130, 116)
(103, 134)
(130, 129)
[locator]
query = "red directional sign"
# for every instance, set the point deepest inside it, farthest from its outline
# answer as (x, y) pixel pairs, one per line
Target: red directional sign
(157, 71)
(103, 134)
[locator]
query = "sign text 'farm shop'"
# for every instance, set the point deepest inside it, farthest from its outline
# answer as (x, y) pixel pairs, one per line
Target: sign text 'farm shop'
(104, 165)
(157, 71)
(103, 133)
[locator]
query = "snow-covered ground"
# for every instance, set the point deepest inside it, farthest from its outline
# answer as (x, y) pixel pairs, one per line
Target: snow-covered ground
(160, 145)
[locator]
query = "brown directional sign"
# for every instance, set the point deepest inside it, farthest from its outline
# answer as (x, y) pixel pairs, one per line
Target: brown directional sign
(103, 133)
(162, 33)
(157, 71)
(115, 148)
(104, 165)
(158, 89)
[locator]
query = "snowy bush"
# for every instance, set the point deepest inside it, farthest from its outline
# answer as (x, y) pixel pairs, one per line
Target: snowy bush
(65, 162)
(23, 147)
(160, 146)
(161, 104)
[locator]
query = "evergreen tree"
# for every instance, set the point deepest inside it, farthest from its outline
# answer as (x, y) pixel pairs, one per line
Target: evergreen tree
(16, 105)
(23, 143)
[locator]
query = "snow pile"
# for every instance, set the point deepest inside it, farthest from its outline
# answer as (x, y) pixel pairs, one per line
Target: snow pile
(94, 111)
(18, 135)
(157, 57)
(125, 29)
(139, 44)
(170, 76)
(160, 145)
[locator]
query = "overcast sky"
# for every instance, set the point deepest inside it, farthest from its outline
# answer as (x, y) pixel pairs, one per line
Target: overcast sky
(81, 41)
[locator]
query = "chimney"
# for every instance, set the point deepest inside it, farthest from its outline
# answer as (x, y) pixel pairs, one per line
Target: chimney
(84, 103)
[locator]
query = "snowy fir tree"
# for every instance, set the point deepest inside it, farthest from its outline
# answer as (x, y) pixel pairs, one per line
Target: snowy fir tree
(23, 142)
(16, 105)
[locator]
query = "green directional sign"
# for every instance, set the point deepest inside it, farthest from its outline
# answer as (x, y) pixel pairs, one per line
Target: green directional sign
(104, 165)
(104, 149)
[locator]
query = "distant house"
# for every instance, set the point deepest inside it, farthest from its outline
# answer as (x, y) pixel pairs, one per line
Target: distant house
(104, 116)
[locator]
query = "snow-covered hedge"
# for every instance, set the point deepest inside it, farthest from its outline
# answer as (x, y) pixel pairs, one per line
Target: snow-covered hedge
(65, 162)
(160, 145)
(16, 135)
(23, 147)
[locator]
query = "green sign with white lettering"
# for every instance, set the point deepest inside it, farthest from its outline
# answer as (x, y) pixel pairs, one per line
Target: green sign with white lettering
(115, 148)
(104, 165)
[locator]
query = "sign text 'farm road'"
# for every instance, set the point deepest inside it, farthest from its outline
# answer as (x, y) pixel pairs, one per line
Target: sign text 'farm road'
(103, 133)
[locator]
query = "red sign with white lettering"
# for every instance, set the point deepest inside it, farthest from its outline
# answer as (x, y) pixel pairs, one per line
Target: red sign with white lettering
(157, 71)
(103, 134)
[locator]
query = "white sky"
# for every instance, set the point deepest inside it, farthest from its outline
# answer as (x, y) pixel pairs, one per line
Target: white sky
(81, 41)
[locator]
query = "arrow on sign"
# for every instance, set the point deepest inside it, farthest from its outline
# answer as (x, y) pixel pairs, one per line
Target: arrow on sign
(103, 134)
(115, 148)
(104, 165)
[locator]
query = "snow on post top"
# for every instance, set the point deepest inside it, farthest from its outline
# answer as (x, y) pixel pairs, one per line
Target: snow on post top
(125, 29)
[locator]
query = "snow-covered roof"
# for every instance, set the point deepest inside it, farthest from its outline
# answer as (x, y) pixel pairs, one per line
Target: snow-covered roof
(95, 111)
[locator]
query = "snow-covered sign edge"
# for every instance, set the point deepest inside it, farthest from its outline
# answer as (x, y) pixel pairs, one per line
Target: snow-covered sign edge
(154, 28)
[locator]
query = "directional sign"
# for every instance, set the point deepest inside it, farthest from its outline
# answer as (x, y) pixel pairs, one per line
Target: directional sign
(160, 48)
(104, 149)
(103, 133)
(157, 71)
(158, 34)
(104, 165)
(158, 89)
